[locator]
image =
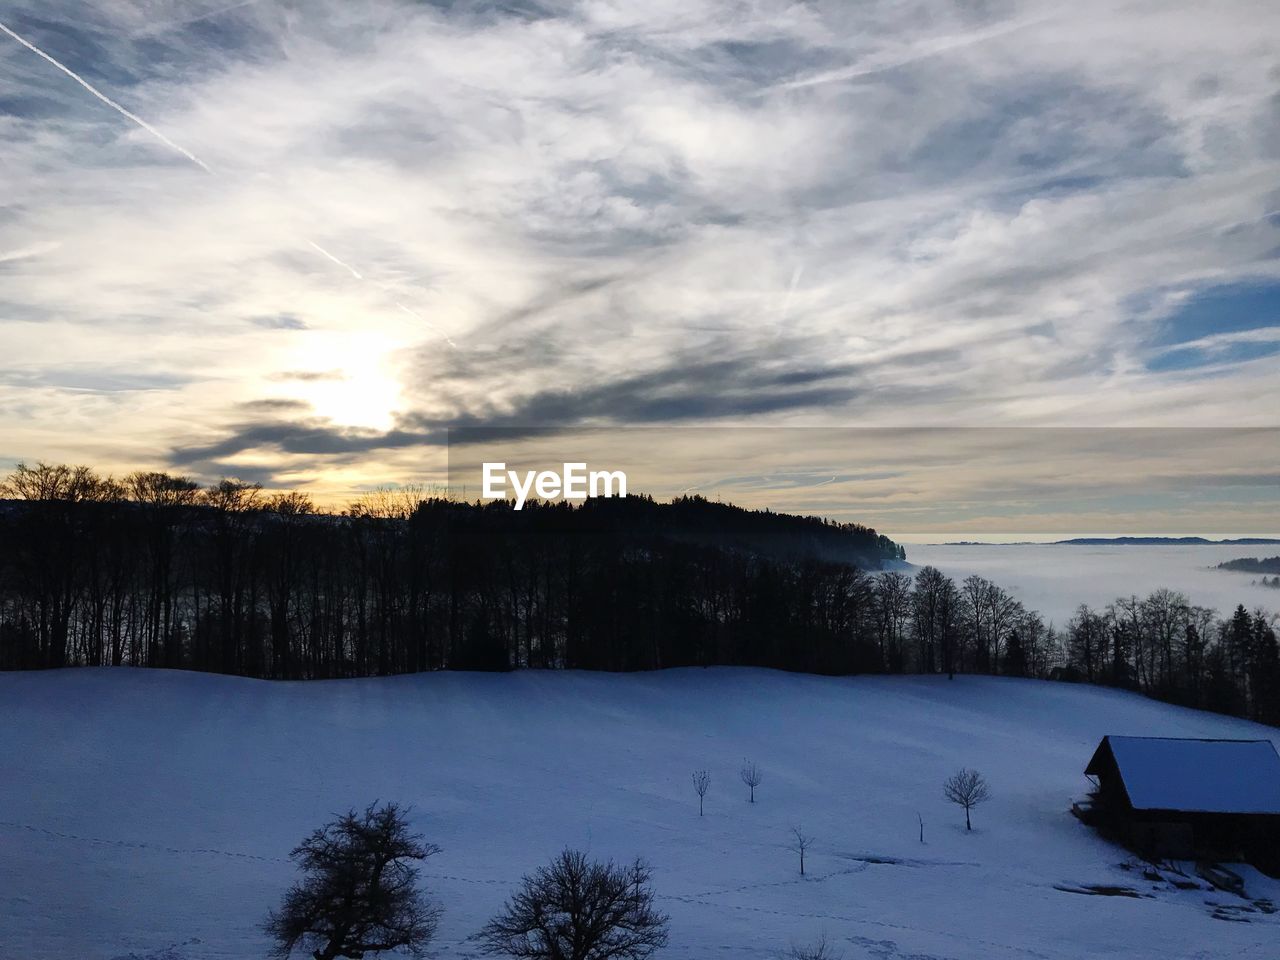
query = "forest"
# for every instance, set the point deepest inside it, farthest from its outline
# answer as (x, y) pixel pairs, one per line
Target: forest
(153, 570)
(1252, 565)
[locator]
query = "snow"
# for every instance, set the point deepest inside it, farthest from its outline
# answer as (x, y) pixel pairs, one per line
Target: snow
(148, 815)
(1218, 776)
(1056, 578)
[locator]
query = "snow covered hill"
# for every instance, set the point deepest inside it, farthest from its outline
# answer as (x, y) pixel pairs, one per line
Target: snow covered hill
(149, 814)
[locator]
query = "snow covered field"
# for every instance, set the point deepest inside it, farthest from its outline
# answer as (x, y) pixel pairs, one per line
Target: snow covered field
(1057, 578)
(148, 814)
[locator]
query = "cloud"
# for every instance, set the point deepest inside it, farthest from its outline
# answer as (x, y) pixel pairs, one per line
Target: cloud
(688, 389)
(308, 376)
(90, 379)
(284, 321)
(276, 405)
(669, 213)
(900, 55)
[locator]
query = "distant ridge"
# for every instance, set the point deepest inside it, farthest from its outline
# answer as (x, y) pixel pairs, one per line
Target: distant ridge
(1166, 541)
(1117, 542)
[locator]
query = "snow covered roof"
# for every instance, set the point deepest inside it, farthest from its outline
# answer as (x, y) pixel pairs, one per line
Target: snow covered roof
(1195, 776)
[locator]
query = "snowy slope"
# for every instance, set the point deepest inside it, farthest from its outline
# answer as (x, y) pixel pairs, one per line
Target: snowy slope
(147, 814)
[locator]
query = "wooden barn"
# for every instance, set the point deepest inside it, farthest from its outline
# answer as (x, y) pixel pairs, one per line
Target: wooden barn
(1170, 798)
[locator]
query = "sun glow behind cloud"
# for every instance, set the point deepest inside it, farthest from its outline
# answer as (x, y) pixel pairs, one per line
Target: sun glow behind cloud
(348, 378)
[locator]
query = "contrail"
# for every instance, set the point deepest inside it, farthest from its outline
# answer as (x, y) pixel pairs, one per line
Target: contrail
(109, 102)
(197, 161)
(23, 253)
(325, 253)
(930, 48)
(427, 323)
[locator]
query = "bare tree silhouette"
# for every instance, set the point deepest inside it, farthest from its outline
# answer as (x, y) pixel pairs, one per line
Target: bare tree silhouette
(701, 784)
(575, 909)
(800, 842)
(966, 788)
(820, 949)
(359, 891)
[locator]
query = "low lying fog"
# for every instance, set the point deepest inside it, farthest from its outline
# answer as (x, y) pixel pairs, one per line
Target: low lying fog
(1055, 579)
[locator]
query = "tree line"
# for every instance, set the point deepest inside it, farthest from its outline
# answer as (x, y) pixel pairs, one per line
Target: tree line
(1174, 650)
(155, 570)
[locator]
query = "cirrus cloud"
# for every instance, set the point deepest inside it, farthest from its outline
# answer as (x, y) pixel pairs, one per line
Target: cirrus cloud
(565, 213)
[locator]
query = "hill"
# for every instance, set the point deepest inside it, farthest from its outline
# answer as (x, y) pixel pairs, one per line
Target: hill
(147, 815)
(233, 582)
(1252, 565)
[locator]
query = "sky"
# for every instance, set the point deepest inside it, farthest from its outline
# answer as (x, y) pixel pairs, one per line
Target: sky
(307, 243)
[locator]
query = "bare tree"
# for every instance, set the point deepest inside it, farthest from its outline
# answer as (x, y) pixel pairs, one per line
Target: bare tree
(161, 489)
(892, 594)
(750, 774)
(936, 614)
(966, 788)
(359, 891)
(1003, 612)
(389, 503)
(820, 949)
(575, 909)
(800, 842)
(58, 481)
(701, 783)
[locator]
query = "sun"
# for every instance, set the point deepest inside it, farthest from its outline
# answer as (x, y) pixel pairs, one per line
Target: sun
(348, 378)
